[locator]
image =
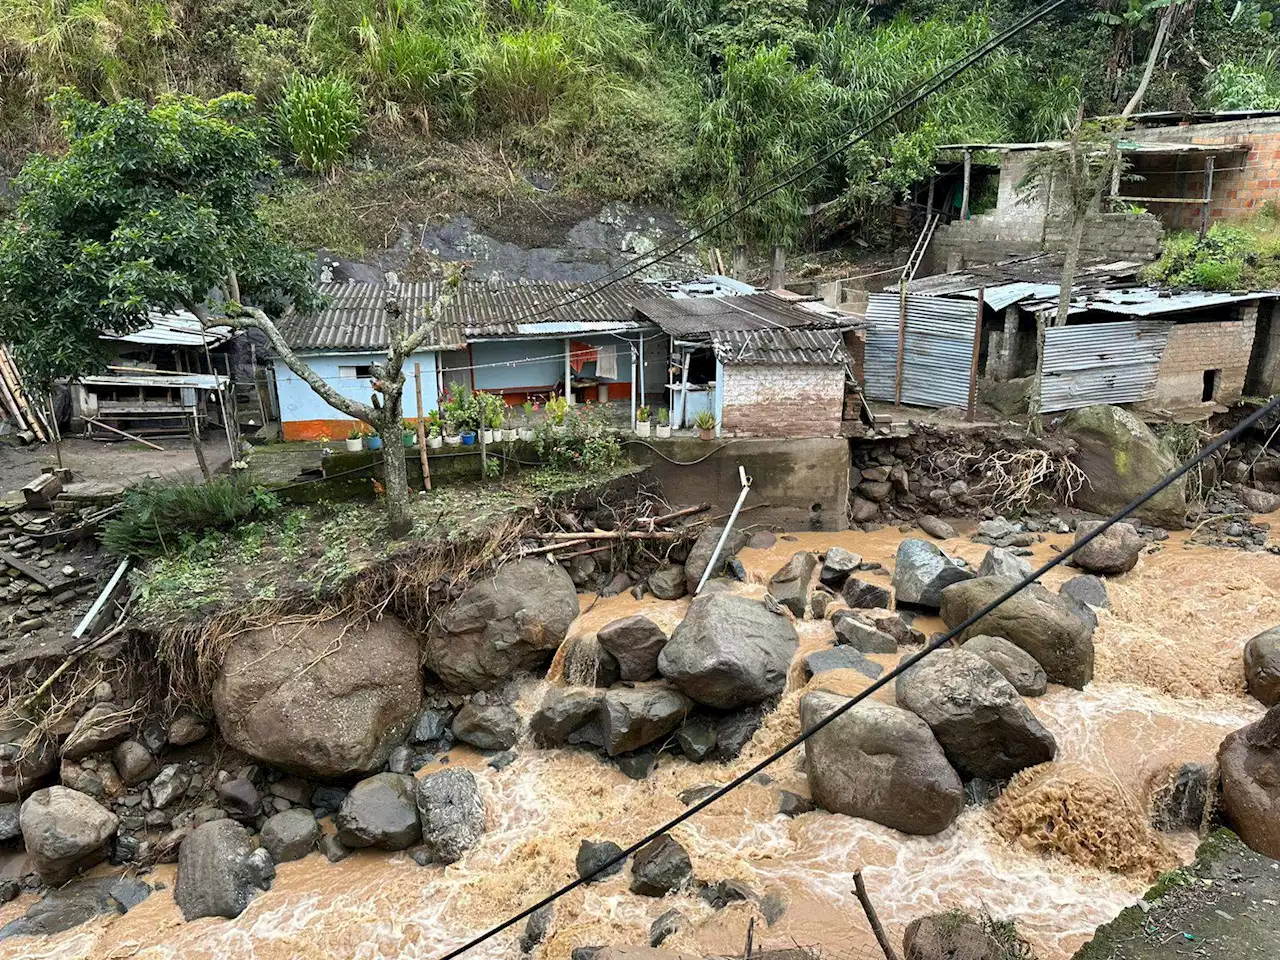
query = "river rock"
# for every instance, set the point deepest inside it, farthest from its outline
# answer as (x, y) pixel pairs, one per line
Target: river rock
(950, 936)
(593, 856)
(327, 700)
(1005, 564)
(290, 835)
(696, 739)
(101, 728)
(851, 630)
(380, 811)
(700, 554)
(240, 798)
(81, 779)
(921, 571)
(1015, 664)
(837, 566)
(537, 927)
(65, 832)
(840, 658)
(1249, 760)
(667, 582)
(984, 728)
(452, 814)
(1086, 589)
(561, 713)
(938, 529)
(1259, 501)
(881, 763)
(494, 726)
(1122, 458)
(790, 585)
(1041, 623)
(659, 867)
(169, 784)
(23, 765)
(218, 872)
(635, 643)
(729, 652)
(860, 595)
(77, 903)
(10, 824)
(1262, 667)
(1114, 552)
(186, 729)
(134, 763)
(506, 624)
(668, 924)
(632, 717)
(734, 731)
(587, 664)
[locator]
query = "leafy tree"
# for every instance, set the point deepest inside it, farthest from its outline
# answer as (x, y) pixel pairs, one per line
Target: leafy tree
(160, 207)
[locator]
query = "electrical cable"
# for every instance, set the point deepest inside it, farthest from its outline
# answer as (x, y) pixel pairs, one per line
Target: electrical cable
(906, 664)
(685, 463)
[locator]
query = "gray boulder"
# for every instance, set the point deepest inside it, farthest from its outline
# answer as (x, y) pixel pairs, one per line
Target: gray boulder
(77, 903)
(101, 728)
(1041, 623)
(659, 867)
(1262, 667)
(562, 713)
(1114, 552)
(921, 572)
(1259, 501)
(632, 717)
(852, 631)
(493, 726)
(65, 832)
(452, 814)
(512, 622)
(380, 812)
(837, 566)
(1005, 564)
(1249, 760)
(700, 554)
(1086, 589)
(860, 595)
(667, 582)
(635, 643)
(187, 728)
(328, 700)
(729, 652)
(25, 758)
(938, 529)
(219, 872)
(840, 658)
(984, 728)
(790, 585)
(134, 763)
(880, 763)
(950, 936)
(290, 835)
(10, 824)
(592, 857)
(1015, 664)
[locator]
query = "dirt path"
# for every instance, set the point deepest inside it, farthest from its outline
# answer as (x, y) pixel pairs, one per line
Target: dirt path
(107, 464)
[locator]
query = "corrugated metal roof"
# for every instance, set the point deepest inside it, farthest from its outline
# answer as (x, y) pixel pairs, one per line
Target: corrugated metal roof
(788, 347)
(1101, 363)
(1148, 301)
(699, 318)
(938, 354)
(545, 309)
(1156, 147)
(356, 318)
(201, 381)
(178, 329)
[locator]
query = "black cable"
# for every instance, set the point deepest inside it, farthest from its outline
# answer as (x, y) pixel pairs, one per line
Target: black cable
(903, 666)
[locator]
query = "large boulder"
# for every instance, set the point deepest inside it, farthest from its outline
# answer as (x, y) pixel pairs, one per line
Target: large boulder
(837, 566)
(881, 763)
(635, 643)
(562, 712)
(1040, 622)
(984, 728)
(1262, 666)
(1005, 564)
(1122, 458)
(659, 867)
(790, 585)
(219, 872)
(633, 717)
(380, 811)
(493, 726)
(26, 758)
(1113, 552)
(328, 699)
(950, 936)
(290, 834)
(452, 814)
(1249, 760)
(511, 622)
(667, 582)
(695, 565)
(729, 652)
(921, 572)
(1086, 589)
(65, 832)
(1015, 664)
(101, 728)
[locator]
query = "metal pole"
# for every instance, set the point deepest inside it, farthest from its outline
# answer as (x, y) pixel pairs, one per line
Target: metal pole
(684, 387)
(964, 194)
(902, 339)
(715, 554)
(568, 374)
(422, 430)
(1208, 194)
(633, 386)
(973, 365)
(640, 347)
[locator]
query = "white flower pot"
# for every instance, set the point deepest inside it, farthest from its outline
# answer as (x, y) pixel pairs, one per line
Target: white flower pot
(353, 445)
(454, 441)
(642, 428)
(488, 436)
(526, 434)
(663, 432)
(508, 434)
(435, 443)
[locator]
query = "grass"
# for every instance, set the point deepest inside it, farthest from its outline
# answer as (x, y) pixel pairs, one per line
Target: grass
(1239, 255)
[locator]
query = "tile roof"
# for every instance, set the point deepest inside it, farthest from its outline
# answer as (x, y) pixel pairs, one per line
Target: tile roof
(356, 318)
(552, 309)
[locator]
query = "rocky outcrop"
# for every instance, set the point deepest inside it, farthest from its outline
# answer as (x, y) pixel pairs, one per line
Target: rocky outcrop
(837, 566)
(65, 832)
(452, 814)
(219, 872)
(328, 699)
(660, 867)
(1249, 760)
(633, 717)
(790, 585)
(491, 726)
(1040, 622)
(635, 643)
(561, 713)
(1114, 551)
(290, 834)
(880, 763)
(695, 565)
(1015, 664)
(509, 623)
(1262, 667)
(984, 728)
(921, 572)
(1122, 458)
(380, 812)
(729, 652)
(1005, 564)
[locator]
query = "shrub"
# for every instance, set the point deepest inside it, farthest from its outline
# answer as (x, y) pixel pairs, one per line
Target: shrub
(159, 518)
(577, 444)
(320, 119)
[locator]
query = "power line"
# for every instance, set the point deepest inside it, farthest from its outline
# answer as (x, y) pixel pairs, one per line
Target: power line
(884, 680)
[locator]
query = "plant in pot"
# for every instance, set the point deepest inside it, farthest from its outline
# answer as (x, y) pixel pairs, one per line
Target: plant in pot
(371, 439)
(663, 429)
(434, 440)
(452, 433)
(355, 439)
(642, 421)
(706, 424)
(410, 439)
(557, 408)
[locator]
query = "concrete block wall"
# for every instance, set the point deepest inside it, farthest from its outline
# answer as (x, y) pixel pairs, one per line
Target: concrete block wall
(1193, 348)
(1124, 236)
(782, 400)
(994, 236)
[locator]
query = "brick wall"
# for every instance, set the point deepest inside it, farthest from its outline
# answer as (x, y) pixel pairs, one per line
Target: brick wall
(1196, 347)
(767, 400)
(1235, 193)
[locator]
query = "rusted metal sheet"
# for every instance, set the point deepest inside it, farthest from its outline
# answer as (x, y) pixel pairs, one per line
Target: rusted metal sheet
(1101, 363)
(937, 356)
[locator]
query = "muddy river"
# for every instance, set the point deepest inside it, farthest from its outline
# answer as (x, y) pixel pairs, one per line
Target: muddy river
(1168, 687)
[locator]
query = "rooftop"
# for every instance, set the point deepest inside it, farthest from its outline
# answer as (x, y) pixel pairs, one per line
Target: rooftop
(356, 318)
(698, 319)
(785, 347)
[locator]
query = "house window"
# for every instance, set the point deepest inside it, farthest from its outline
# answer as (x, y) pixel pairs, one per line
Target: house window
(1210, 387)
(358, 372)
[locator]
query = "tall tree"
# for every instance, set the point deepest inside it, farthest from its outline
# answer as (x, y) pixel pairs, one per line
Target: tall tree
(160, 207)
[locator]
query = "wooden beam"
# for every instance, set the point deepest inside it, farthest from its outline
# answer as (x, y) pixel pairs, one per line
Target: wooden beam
(128, 436)
(421, 428)
(973, 363)
(964, 194)
(27, 569)
(1208, 196)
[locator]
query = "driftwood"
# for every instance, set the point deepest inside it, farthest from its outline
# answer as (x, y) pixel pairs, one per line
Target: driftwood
(614, 535)
(130, 436)
(676, 515)
(882, 938)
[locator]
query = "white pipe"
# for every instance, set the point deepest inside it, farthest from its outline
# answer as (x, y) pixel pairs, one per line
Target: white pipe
(96, 610)
(633, 387)
(715, 554)
(568, 373)
(641, 345)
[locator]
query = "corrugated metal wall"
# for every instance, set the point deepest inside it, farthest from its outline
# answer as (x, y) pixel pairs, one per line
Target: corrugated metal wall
(1101, 363)
(939, 350)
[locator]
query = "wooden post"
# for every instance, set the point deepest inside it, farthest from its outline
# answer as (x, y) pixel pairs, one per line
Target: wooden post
(964, 194)
(933, 183)
(902, 340)
(860, 890)
(193, 431)
(422, 430)
(973, 363)
(633, 386)
(262, 407)
(1208, 196)
(684, 388)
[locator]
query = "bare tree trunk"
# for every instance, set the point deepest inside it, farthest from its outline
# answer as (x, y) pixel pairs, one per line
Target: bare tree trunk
(1156, 45)
(193, 431)
(1070, 262)
(395, 474)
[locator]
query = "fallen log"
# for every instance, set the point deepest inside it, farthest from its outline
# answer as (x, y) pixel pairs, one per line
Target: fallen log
(677, 514)
(614, 535)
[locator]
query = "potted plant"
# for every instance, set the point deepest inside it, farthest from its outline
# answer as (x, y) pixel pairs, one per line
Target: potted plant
(664, 424)
(468, 437)
(642, 421)
(434, 440)
(452, 434)
(706, 424)
(410, 439)
(371, 439)
(557, 408)
(525, 431)
(355, 439)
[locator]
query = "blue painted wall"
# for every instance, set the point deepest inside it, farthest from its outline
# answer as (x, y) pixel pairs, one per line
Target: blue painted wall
(299, 402)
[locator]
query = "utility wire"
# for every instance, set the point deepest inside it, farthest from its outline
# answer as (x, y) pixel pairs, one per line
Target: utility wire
(884, 680)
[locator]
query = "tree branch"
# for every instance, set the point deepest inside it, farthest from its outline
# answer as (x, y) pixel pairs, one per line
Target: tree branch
(1154, 55)
(419, 336)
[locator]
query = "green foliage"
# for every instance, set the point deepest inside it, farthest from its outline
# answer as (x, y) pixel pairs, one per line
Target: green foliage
(1240, 85)
(161, 518)
(320, 118)
(1237, 256)
(577, 444)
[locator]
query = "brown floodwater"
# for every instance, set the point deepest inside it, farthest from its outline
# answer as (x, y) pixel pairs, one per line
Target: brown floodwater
(1168, 687)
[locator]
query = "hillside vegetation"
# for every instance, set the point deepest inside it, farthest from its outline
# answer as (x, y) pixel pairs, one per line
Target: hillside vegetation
(390, 111)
